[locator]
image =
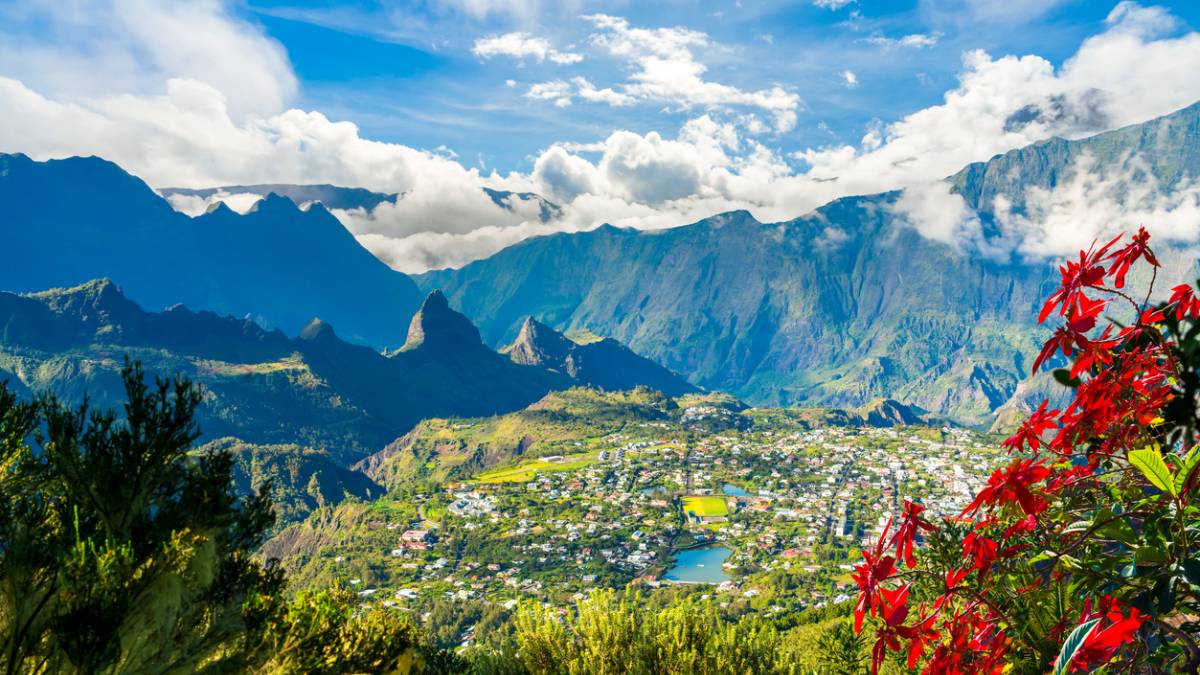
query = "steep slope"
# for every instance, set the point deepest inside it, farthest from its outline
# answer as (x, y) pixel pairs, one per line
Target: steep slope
(259, 385)
(67, 221)
(302, 479)
(783, 314)
(603, 362)
(839, 307)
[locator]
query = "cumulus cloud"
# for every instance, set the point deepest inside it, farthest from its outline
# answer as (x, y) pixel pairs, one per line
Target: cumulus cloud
(521, 46)
(143, 43)
(850, 78)
(554, 90)
(665, 69)
(189, 132)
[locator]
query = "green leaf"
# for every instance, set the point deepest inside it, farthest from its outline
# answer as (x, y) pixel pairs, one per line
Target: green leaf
(1072, 644)
(1152, 466)
(1188, 465)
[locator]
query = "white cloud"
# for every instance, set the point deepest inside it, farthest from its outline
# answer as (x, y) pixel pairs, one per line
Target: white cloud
(913, 40)
(850, 78)
(665, 70)
(832, 4)
(1090, 205)
(134, 46)
(187, 132)
(588, 92)
(554, 90)
(521, 46)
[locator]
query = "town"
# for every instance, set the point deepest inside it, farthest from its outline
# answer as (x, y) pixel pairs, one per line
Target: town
(766, 513)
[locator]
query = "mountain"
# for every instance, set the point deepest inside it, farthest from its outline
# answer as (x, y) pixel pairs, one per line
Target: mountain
(68, 221)
(302, 479)
(437, 450)
(601, 362)
(260, 385)
(345, 198)
(330, 196)
(839, 307)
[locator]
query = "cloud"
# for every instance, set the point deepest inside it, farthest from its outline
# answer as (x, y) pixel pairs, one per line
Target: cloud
(833, 4)
(554, 90)
(913, 40)
(189, 132)
(1090, 205)
(521, 46)
(850, 78)
(665, 70)
(96, 47)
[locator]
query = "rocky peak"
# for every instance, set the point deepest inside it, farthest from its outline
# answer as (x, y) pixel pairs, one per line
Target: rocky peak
(437, 326)
(318, 331)
(539, 345)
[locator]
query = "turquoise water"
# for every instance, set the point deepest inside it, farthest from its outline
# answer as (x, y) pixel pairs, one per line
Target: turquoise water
(734, 491)
(699, 566)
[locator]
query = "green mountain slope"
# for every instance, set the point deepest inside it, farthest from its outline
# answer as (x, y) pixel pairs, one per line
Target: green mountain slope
(302, 479)
(259, 385)
(839, 307)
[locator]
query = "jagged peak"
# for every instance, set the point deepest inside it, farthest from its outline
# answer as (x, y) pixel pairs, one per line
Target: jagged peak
(437, 325)
(218, 207)
(539, 344)
(274, 203)
(98, 295)
(318, 330)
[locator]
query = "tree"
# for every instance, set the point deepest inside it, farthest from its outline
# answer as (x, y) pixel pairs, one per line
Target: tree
(118, 549)
(122, 549)
(1080, 553)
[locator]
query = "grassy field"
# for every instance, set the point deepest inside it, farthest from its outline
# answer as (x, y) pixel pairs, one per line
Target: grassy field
(523, 473)
(706, 505)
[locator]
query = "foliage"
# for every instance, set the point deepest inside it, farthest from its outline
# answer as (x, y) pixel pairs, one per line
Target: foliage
(1081, 552)
(123, 550)
(611, 633)
(323, 632)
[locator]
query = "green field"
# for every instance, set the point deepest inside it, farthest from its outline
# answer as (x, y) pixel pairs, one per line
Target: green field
(525, 472)
(705, 505)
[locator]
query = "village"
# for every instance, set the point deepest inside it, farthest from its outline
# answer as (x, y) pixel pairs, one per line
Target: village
(769, 517)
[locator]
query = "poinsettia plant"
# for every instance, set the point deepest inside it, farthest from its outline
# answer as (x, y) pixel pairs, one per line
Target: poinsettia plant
(1081, 553)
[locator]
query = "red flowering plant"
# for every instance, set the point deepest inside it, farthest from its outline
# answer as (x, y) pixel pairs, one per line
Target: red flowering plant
(1080, 555)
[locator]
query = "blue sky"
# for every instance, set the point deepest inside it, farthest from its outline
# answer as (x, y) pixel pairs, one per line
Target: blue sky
(405, 72)
(639, 114)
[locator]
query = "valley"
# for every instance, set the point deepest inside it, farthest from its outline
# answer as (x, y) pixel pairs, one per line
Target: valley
(783, 502)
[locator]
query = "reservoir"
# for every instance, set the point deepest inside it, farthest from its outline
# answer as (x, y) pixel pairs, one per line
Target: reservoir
(699, 566)
(733, 490)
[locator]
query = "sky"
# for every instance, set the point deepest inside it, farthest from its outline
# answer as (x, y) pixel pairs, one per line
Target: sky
(640, 114)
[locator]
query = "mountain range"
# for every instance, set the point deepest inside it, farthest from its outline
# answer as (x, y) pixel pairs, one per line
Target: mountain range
(69, 221)
(260, 385)
(839, 307)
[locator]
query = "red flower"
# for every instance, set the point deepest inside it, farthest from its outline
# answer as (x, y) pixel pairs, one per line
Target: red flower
(1075, 278)
(1030, 433)
(869, 574)
(910, 524)
(1185, 301)
(1124, 258)
(1102, 644)
(893, 609)
(1011, 484)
